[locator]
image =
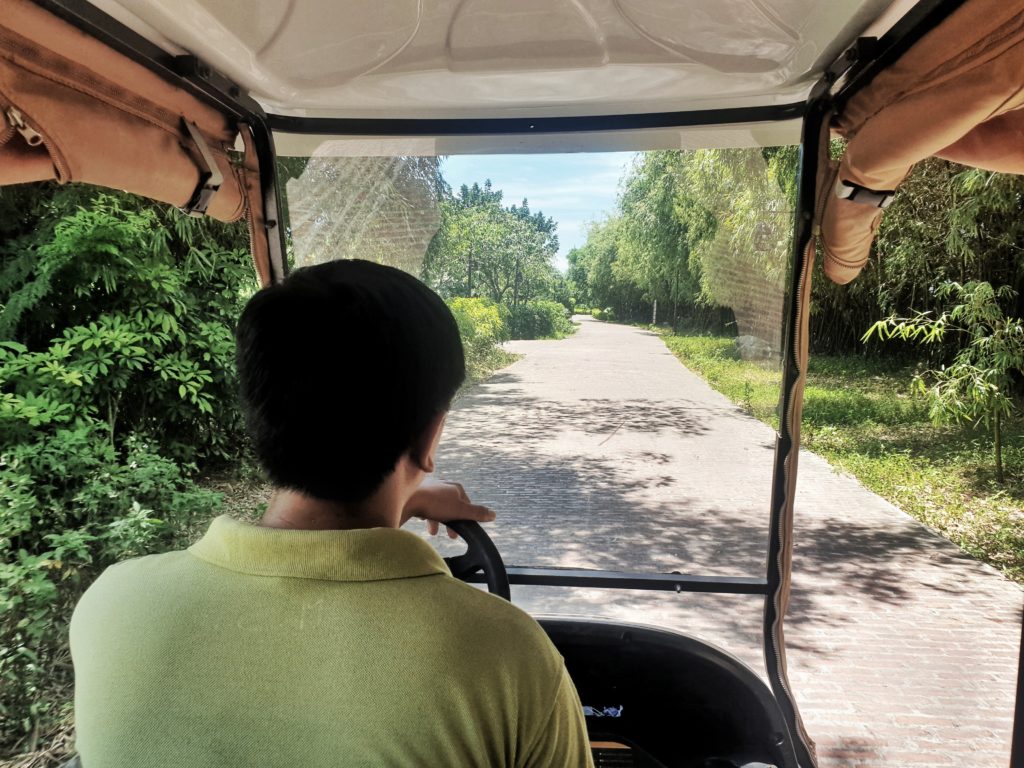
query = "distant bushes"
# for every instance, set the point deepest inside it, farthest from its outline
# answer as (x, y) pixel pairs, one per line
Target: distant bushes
(483, 325)
(540, 319)
(607, 314)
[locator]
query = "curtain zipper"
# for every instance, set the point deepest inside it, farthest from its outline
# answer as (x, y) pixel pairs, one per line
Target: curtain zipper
(251, 225)
(17, 124)
(7, 129)
(17, 121)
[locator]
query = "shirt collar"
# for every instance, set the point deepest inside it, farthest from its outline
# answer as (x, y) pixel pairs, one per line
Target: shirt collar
(367, 554)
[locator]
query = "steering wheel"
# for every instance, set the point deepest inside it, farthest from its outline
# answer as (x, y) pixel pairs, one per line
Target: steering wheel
(481, 555)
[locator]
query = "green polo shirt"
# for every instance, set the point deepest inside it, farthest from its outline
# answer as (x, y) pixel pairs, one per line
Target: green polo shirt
(266, 647)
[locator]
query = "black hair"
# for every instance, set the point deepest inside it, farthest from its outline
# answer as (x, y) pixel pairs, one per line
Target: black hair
(342, 366)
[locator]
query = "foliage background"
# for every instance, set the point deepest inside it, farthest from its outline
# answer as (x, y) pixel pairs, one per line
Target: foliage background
(503, 255)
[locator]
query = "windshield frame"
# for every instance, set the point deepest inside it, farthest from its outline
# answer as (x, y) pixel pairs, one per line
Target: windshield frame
(774, 586)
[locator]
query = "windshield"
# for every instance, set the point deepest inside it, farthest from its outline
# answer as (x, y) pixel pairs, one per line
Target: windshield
(622, 314)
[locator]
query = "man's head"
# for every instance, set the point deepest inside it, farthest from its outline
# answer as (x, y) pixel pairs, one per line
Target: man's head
(343, 368)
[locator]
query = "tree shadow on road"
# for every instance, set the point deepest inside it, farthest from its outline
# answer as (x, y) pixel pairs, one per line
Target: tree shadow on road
(535, 418)
(559, 506)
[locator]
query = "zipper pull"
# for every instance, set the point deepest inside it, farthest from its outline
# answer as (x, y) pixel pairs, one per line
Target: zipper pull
(31, 136)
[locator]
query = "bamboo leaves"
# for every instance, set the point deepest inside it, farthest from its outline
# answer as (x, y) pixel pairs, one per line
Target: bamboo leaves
(977, 386)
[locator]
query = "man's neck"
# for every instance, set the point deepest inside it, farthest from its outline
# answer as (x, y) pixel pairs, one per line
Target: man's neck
(290, 509)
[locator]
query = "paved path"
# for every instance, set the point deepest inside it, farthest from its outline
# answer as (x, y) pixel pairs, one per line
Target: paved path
(601, 450)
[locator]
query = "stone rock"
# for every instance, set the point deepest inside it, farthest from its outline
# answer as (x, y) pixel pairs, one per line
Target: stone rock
(753, 348)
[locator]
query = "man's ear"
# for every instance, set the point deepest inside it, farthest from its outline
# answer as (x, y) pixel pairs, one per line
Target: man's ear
(425, 446)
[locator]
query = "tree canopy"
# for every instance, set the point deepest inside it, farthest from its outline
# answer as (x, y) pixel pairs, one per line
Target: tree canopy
(707, 235)
(704, 233)
(483, 248)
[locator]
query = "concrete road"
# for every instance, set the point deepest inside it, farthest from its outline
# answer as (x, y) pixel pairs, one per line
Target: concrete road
(603, 451)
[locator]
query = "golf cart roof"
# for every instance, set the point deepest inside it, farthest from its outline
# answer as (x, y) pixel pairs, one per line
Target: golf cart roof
(406, 59)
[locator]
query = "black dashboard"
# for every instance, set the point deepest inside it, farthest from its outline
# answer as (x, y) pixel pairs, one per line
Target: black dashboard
(658, 699)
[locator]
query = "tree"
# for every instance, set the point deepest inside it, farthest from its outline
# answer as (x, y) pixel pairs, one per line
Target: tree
(977, 386)
(739, 212)
(484, 249)
(696, 230)
(576, 279)
(653, 239)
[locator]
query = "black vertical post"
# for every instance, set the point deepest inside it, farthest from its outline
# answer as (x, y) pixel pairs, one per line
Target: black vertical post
(273, 213)
(786, 444)
(1017, 749)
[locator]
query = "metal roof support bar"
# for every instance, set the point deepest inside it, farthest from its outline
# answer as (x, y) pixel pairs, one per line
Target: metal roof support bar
(527, 125)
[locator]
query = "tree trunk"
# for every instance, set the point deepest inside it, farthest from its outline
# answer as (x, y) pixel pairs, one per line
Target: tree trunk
(998, 440)
(112, 408)
(515, 289)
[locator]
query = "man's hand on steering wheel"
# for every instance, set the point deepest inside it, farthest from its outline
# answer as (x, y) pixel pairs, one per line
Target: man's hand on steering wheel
(437, 501)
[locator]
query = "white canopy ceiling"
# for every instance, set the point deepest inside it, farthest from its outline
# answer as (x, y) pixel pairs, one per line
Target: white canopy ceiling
(505, 58)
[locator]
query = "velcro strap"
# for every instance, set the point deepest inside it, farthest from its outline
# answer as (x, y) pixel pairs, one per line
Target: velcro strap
(858, 194)
(210, 177)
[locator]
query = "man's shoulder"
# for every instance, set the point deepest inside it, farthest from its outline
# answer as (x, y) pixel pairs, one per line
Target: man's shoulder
(139, 577)
(482, 602)
(498, 624)
(171, 563)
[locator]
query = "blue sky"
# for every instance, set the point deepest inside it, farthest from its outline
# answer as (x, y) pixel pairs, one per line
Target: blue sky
(573, 189)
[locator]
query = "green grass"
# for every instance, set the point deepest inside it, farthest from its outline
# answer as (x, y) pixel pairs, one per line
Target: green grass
(482, 366)
(859, 415)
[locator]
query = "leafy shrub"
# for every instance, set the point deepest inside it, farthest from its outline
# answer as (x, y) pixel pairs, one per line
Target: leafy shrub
(482, 326)
(480, 319)
(607, 314)
(123, 312)
(117, 381)
(70, 506)
(563, 293)
(978, 385)
(540, 319)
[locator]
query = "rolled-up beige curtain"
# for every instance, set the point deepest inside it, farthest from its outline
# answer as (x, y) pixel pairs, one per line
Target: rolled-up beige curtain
(74, 110)
(957, 93)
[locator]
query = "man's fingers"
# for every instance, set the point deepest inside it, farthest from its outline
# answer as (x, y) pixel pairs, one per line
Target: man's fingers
(480, 513)
(475, 512)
